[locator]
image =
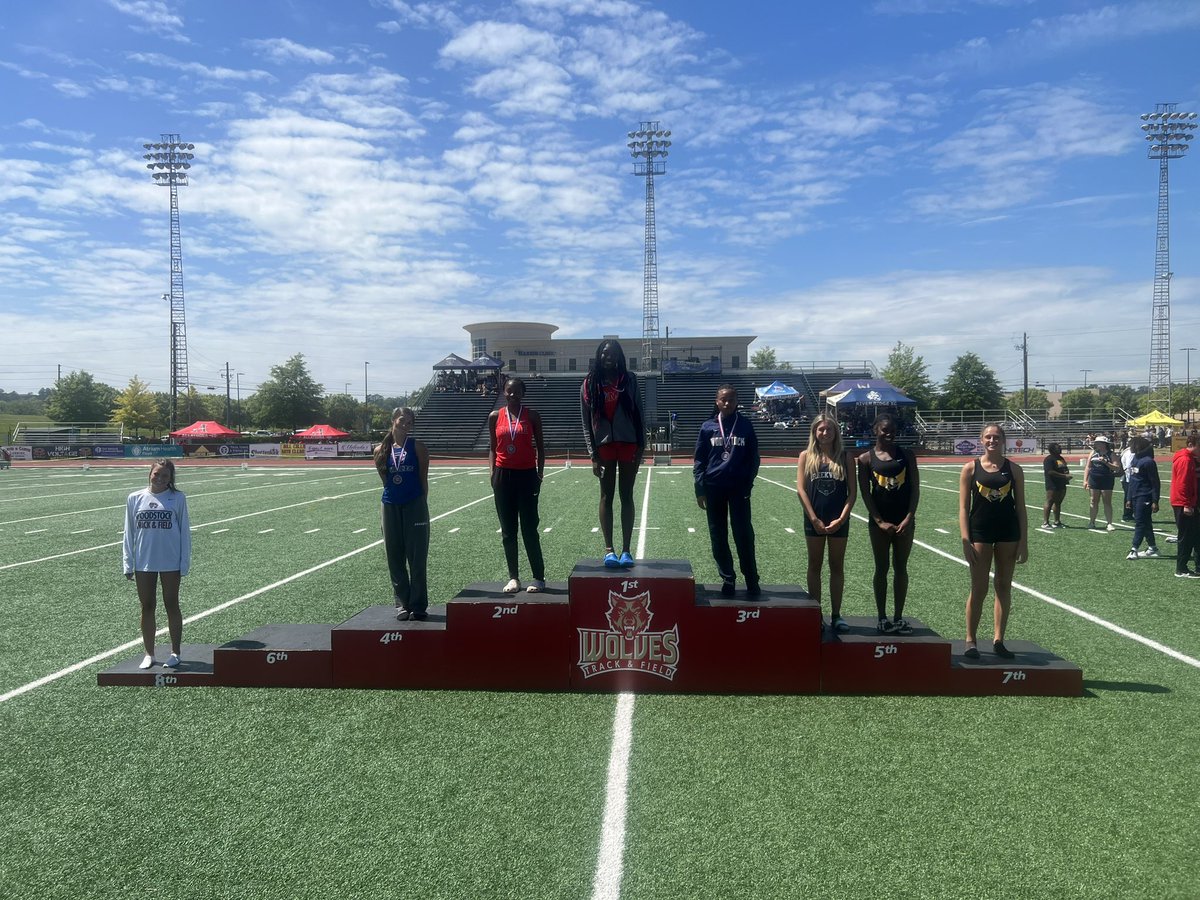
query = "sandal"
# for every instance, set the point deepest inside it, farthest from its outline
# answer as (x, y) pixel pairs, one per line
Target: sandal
(840, 625)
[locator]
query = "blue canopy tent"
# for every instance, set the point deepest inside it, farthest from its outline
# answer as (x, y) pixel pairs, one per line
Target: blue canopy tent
(776, 390)
(866, 392)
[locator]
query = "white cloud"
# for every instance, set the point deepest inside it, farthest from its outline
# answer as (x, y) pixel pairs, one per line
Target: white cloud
(497, 43)
(214, 73)
(282, 50)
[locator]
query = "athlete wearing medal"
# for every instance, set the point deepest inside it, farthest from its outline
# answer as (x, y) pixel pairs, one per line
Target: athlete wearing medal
(724, 467)
(517, 456)
(403, 465)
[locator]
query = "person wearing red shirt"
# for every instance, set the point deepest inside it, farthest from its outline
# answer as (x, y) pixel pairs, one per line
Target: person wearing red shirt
(517, 453)
(1183, 502)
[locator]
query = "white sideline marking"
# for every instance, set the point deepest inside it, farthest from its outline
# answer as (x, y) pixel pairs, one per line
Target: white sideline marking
(83, 531)
(790, 530)
(358, 531)
(452, 530)
(37, 531)
(610, 861)
(546, 530)
(594, 530)
(100, 657)
(691, 530)
(310, 531)
(219, 531)
(266, 531)
(941, 531)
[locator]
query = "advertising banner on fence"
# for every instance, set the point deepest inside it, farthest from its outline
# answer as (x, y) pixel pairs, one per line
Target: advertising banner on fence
(354, 448)
(320, 451)
(61, 451)
(234, 451)
(293, 450)
(108, 451)
(20, 452)
(264, 451)
(137, 451)
(971, 446)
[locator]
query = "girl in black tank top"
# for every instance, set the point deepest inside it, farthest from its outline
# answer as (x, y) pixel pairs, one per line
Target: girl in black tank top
(993, 526)
(890, 487)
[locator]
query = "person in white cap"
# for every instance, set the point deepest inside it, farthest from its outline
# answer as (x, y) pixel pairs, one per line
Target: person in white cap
(1100, 471)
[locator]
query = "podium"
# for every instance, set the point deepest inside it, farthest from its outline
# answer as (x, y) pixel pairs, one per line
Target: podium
(646, 629)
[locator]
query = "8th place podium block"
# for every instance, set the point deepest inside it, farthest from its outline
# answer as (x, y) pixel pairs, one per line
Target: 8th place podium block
(649, 628)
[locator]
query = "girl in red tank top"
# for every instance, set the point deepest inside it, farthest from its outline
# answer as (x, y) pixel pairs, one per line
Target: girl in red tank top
(517, 455)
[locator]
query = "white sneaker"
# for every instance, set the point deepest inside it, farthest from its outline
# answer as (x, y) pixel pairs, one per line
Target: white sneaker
(512, 587)
(1046, 526)
(1133, 554)
(1149, 553)
(1110, 527)
(147, 661)
(172, 661)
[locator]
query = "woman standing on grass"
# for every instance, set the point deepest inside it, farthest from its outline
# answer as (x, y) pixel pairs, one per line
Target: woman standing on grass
(992, 521)
(1101, 469)
(1057, 475)
(891, 489)
(403, 464)
(517, 454)
(826, 488)
(616, 440)
(158, 548)
(1144, 489)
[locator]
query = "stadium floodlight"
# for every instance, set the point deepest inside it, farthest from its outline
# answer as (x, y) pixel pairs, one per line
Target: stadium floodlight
(168, 163)
(1169, 133)
(648, 147)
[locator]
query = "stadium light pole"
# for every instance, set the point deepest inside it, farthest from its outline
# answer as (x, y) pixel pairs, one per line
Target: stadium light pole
(648, 146)
(238, 377)
(1169, 133)
(168, 161)
(1190, 399)
(366, 409)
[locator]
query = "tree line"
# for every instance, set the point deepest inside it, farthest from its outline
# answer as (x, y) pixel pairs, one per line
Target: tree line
(972, 384)
(289, 400)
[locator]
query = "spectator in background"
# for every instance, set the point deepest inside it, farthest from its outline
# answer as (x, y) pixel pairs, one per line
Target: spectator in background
(1143, 497)
(1100, 470)
(1057, 475)
(1184, 497)
(1126, 462)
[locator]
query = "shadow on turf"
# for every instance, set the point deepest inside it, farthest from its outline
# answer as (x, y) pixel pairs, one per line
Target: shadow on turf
(1090, 687)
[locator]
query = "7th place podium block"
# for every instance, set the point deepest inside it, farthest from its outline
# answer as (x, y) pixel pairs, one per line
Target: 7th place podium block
(647, 629)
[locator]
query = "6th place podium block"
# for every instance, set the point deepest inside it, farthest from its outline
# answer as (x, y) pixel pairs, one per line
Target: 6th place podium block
(648, 629)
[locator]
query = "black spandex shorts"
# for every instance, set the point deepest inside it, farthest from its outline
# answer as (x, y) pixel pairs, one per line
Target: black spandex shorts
(1000, 533)
(842, 532)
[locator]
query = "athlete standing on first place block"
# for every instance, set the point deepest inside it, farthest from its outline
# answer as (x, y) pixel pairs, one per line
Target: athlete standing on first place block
(403, 464)
(158, 547)
(891, 489)
(993, 525)
(825, 484)
(517, 453)
(725, 464)
(615, 438)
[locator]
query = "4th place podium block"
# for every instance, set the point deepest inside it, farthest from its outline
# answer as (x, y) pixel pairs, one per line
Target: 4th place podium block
(649, 628)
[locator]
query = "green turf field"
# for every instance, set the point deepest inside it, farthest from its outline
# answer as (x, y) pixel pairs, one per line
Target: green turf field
(131, 792)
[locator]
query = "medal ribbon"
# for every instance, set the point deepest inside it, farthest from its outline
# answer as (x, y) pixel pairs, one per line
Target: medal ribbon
(727, 442)
(513, 426)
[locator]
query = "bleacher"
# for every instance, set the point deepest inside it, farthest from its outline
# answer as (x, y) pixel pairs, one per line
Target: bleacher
(450, 423)
(41, 434)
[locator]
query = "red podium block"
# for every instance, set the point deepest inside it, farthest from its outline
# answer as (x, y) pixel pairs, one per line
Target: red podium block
(373, 650)
(1036, 672)
(277, 656)
(627, 626)
(508, 642)
(863, 661)
(195, 669)
(771, 645)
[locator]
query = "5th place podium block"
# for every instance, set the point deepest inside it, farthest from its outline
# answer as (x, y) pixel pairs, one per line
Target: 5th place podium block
(650, 628)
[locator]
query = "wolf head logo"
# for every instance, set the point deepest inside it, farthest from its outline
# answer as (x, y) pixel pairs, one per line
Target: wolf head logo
(629, 615)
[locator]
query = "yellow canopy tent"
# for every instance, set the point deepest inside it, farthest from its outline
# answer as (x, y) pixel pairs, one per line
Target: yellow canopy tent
(1154, 417)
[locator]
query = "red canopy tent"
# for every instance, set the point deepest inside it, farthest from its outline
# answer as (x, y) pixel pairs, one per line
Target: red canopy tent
(204, 431)
(321, 432)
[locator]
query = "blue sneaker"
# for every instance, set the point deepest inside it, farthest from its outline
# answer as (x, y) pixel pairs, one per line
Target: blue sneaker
(611, 561)
(626, 560)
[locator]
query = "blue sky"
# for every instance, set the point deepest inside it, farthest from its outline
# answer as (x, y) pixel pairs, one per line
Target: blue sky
(371, 175)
